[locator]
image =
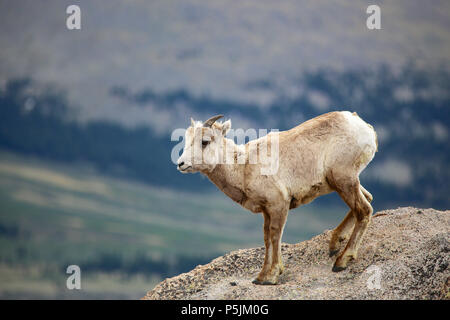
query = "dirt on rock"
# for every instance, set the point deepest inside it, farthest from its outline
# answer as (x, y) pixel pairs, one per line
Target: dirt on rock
(405, 254)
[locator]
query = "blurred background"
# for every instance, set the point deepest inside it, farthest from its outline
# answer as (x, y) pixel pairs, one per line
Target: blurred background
(86, 117)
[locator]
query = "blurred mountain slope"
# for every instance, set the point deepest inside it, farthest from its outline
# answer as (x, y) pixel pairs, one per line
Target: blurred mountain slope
(408, 109)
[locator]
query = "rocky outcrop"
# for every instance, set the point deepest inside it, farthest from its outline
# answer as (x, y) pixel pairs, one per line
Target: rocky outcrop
(405, 255)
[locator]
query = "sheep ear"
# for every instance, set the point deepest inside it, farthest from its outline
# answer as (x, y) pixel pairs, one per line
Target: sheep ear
(192, 123)
(226, 126)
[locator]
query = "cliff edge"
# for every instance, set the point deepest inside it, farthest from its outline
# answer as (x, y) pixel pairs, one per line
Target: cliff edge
(405, 254)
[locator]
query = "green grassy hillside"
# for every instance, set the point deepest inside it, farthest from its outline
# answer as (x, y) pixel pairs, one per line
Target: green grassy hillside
(125, 236)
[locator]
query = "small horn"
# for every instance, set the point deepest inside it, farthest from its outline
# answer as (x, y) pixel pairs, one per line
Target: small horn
(210, 121)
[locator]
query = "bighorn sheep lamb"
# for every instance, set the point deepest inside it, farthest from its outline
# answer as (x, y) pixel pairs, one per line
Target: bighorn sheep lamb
(322, 155)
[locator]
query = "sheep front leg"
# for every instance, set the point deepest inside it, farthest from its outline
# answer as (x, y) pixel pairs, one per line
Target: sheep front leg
(273, 232)
(268, 254)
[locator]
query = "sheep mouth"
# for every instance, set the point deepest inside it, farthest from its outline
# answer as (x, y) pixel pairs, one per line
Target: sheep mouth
(185, 169)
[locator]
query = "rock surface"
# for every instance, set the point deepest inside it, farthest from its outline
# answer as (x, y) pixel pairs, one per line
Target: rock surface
(408, 248)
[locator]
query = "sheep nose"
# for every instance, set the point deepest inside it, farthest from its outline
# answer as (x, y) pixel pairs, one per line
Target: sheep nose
(180, 164)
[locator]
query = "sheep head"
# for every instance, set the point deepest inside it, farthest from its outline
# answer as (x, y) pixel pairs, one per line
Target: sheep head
(204, 145)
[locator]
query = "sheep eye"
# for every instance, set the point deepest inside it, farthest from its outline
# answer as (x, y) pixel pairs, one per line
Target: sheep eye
(205, 143)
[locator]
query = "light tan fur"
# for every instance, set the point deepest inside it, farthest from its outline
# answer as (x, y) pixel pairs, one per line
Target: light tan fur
(322, 155)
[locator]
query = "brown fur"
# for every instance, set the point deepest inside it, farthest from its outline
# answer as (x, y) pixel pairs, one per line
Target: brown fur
(321, 155)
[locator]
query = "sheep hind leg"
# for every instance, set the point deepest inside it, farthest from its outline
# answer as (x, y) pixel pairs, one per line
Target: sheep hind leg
(343, 231)
(355, 198)
(366, 193)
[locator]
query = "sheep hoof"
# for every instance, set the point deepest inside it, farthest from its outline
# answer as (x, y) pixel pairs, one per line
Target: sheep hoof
(338, 268)
(263, 282)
